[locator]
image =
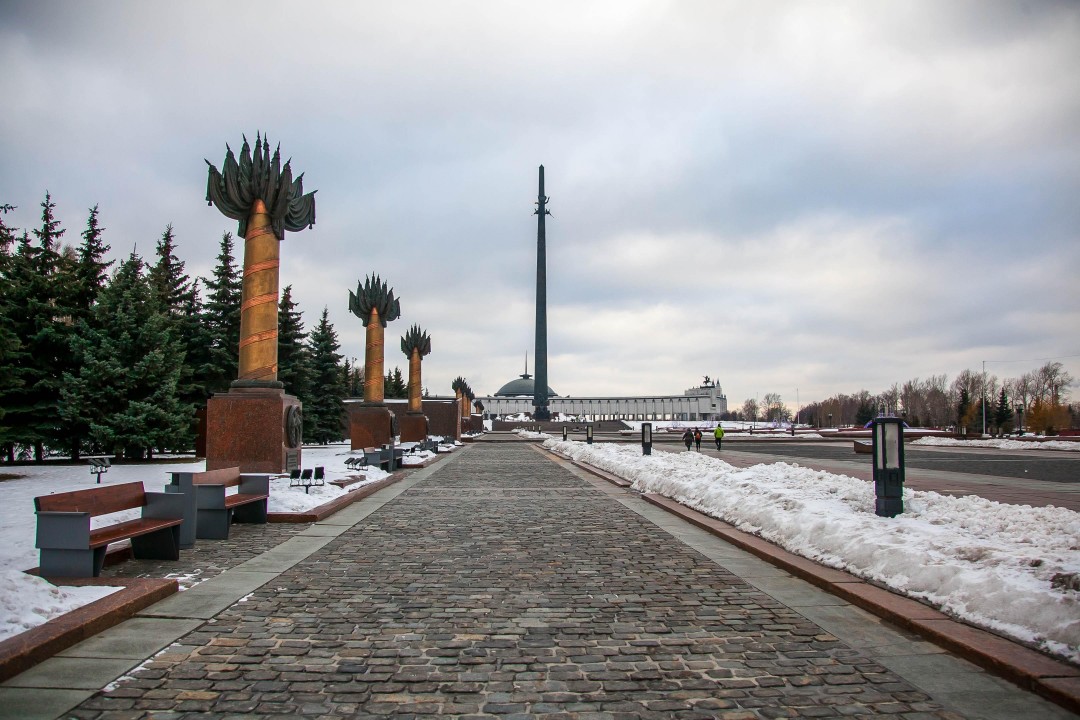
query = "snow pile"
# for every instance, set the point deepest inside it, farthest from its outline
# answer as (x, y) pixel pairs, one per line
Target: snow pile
(530, 435)
(991, 564)
(27, 601)
(1001, 444)
(286, 499)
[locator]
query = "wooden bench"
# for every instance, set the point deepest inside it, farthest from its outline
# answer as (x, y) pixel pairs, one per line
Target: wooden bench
(217, 509)
(69, 548)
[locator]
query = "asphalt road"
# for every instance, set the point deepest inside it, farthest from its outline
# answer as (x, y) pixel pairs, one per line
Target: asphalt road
(1045, 465)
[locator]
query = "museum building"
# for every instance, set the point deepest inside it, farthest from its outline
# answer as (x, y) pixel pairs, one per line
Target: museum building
(705, 402)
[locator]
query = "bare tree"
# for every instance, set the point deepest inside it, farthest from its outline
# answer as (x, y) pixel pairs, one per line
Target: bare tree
(750, 409)
(1053, 380)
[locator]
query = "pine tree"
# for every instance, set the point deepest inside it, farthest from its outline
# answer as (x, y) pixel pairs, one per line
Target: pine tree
(326, 408)
(178, 298)
(962, 407)
(294, 358)
(1003, 414)
(221, 317)
(91, 271)
(394, 385)
(865, 411)
(39, 293)
(9, 341)
(167, 278)
(126, 387)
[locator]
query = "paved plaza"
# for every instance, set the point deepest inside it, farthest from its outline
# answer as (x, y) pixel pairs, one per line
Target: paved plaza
(503, 582)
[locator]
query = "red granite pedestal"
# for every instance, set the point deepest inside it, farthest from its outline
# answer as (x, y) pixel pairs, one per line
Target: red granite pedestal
(370, 425)
(414, 427)
(247, 428)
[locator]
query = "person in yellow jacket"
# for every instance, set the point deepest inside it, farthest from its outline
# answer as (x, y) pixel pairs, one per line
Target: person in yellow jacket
(718, 435)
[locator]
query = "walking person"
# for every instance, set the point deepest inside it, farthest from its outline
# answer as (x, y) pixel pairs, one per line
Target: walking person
(697, 439)
(688, 438)
(718, 435)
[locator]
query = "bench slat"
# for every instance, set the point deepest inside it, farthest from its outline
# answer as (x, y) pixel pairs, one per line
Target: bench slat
(242, 499)
(95, 501)
(223, 476)
(129, 529)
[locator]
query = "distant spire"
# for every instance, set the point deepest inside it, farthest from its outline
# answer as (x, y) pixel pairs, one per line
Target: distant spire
(526, 376)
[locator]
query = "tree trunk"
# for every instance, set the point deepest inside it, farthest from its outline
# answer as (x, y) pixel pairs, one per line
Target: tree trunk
(373, 360)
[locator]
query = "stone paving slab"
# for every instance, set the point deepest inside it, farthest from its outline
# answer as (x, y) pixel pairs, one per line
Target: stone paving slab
(502, 584)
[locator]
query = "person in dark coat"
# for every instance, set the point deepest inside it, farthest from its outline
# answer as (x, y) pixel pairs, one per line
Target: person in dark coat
(688, 438)
(697, 439)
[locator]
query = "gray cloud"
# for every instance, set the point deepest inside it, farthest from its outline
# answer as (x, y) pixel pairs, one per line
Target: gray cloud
(736, 190)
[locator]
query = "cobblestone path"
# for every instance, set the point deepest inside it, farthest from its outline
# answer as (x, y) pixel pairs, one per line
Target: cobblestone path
(505, 586)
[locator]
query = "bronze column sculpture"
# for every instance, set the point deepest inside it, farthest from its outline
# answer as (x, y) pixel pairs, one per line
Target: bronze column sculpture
(371, 424)
(414, 425)
(458, 386)
(256, 426)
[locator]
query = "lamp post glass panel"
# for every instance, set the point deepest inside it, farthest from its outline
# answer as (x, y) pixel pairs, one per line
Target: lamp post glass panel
(646, 438)
(589, 434)
(888, 451)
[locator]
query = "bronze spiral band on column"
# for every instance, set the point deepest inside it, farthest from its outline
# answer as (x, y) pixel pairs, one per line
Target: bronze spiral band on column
(373, 360)
(259, 309)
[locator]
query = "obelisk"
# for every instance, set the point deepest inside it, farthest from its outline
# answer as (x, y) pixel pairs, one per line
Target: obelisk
(540, 382)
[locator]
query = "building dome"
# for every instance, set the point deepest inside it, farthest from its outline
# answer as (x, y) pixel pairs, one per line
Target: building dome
(521, 387)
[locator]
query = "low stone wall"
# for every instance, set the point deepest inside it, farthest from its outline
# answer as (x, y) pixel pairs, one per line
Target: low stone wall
(444, 416)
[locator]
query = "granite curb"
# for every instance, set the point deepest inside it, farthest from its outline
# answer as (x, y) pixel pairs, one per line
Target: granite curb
(1031, 670)
(23, 651)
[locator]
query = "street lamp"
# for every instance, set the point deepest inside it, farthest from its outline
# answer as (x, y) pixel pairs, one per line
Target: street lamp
(589, 433)
(646, 438)
(564, 433)
(888, 449)
(1020, 418)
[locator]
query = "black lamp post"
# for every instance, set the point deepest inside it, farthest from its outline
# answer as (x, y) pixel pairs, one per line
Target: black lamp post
(888, 449)
(646, 438)
(564, 433)
(1020, 419)
(589, 433)
(830, 419)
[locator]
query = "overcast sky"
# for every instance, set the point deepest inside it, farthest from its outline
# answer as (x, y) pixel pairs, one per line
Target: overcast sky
(800, 198)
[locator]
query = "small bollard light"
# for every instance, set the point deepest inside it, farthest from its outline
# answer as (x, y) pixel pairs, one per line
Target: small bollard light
(564, 433)
(646, 438)
(588, 434)
(888, 449)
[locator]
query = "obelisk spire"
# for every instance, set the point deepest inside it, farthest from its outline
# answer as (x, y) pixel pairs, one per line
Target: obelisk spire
(540, 383)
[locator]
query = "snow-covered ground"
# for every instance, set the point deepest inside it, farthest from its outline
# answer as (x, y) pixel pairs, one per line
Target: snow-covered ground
(1007, 568)
(1002, 444)
(27, 601)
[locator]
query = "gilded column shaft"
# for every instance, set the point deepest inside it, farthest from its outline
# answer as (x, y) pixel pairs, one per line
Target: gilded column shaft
(259, 309)
(373, 360)
(415, 403)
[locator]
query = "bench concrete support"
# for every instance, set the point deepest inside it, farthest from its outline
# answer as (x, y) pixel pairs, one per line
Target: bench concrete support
(216, 511)
(181, 484)
(161, 545)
